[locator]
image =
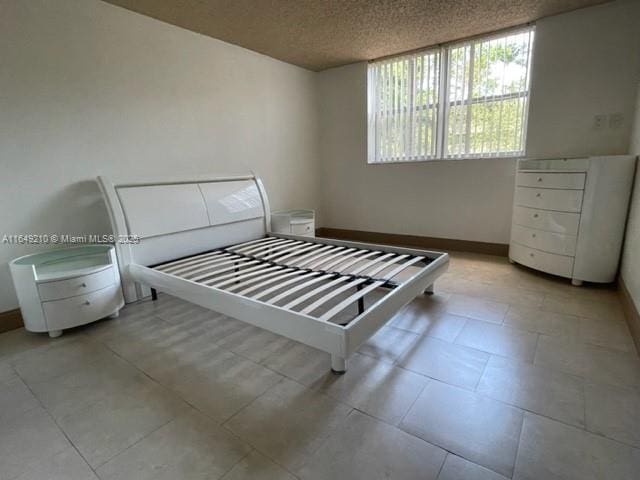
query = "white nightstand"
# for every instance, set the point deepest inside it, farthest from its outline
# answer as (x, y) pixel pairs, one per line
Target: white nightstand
(67, 287)
(294, 222)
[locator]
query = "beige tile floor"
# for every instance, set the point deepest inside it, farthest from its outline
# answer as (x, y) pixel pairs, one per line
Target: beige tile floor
(503, 373)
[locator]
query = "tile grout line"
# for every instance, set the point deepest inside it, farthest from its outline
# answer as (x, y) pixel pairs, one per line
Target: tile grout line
(296, 382)
(174, 393)
(219, 424)
(71, 443)
(515, 458)
(387, 363)
(136, 442)
(257, 449)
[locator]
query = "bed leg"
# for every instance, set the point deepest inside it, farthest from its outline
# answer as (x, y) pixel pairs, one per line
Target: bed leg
(338, 365)
(429, 290)
(154, 294)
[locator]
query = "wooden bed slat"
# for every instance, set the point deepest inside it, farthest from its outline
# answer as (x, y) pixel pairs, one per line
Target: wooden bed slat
(249, 245)
(402, 267)
(371, 263)
(279, 250)
(171, 266)
(298, 274)
(324, 299)
(325, 317)
(319, 255)
(386, 265)
(315, 292)
(252, 242)
(300, 251)
(304, 257)
(316, 277)
(361, 293)
(356, 260)
(265, 249)
(344, 258)
(263, 280)
(246, 273)
(252, 250)
(333, 257)
(203, 265)
(240, 263)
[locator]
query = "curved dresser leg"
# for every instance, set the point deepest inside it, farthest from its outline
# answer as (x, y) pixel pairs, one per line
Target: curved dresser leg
(576, 283)
(55, 333)
(115, 314)
(338, 365)
(511, 261)
(429, 290)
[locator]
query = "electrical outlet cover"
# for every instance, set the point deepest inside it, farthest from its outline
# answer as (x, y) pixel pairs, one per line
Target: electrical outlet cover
(616, 120)
(599, 121)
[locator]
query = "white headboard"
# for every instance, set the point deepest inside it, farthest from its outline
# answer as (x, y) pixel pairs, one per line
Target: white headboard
(176, 218)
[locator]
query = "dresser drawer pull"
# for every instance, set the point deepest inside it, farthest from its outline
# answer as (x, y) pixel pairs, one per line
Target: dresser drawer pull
(532, 255)
(539, 179)
(533, 235)
(535, 215)
(87, 302)
(538, 195)
(84, 285)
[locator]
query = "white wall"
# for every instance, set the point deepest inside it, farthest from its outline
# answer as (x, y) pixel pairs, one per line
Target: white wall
(87, 88)
(630, 269)
(586, 63)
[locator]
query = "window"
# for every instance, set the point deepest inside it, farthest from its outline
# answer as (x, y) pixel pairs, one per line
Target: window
(403, 107)
(467, 99)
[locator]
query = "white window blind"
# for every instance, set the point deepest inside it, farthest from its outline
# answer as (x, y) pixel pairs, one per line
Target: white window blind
(488, 90)
(468, 99)
(403, 107)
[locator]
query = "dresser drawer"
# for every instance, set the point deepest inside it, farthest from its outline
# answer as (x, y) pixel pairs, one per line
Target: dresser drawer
(555, 164)
(76, 286)
(81, 309)
(549, 199)
(547, 262)
(547, 241)
(569, 181)
(559, 222)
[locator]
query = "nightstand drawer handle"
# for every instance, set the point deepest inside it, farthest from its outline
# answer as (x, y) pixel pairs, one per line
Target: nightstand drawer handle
(87, 302)
(83, 284)
(531, 255)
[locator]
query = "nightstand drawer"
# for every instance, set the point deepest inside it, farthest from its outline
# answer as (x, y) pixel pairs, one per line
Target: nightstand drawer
(81, 309)
(547, 262)
(76, 286)
(306, 228)
(569, 181)
(559, 222)
(549, 199)
(546, 241)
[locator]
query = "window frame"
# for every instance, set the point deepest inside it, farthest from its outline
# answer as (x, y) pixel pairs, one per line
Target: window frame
(445, 103)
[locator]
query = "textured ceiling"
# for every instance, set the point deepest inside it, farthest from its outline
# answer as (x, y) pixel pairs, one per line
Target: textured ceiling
(319, 34)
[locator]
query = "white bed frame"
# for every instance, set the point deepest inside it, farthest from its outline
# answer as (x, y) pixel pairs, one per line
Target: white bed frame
(207, 240)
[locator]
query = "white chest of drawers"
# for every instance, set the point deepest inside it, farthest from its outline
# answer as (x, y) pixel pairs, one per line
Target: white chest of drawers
(67, 287)
(569, 215)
